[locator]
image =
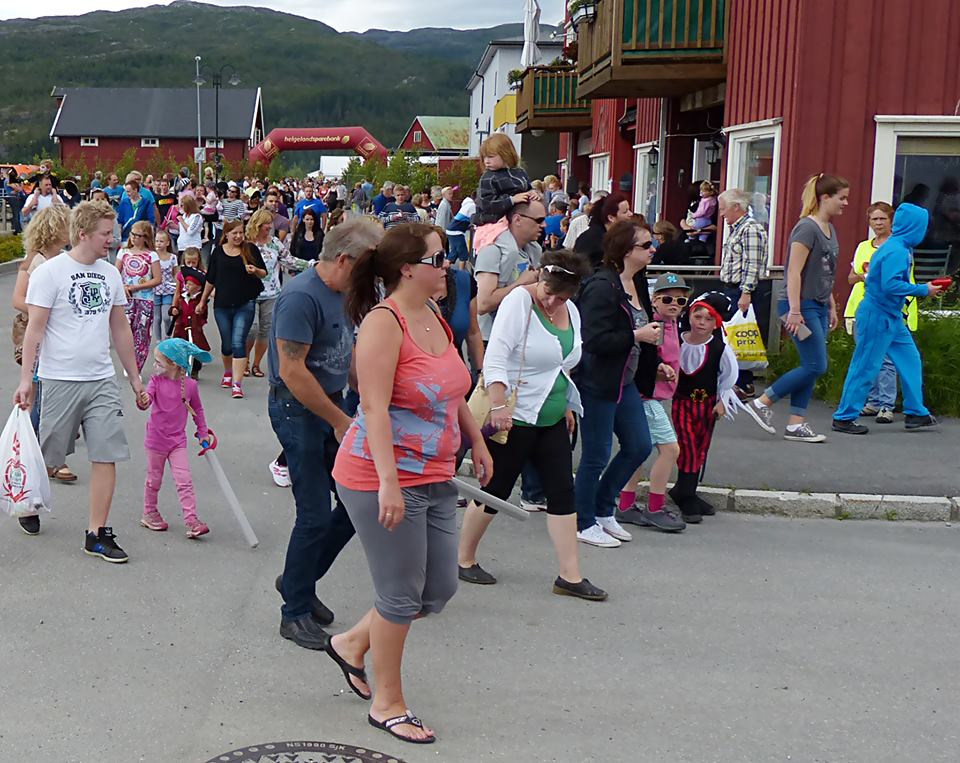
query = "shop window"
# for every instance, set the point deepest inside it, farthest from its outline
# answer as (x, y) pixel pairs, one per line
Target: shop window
(600, 173)
(753, 166)
(646, 191)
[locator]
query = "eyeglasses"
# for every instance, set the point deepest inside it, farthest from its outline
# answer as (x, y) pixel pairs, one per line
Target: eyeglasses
(668, 300)
(537, 220)
(136, 235)
(644, 245)
(436, 259)
(556, 270)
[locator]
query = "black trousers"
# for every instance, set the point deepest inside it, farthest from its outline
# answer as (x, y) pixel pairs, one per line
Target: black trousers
(549, 450)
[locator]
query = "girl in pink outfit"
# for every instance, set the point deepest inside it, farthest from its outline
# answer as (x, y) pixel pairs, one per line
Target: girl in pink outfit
(172, 395)
(703, 216)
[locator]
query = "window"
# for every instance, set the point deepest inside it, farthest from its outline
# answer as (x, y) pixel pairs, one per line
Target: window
(417, 136)
(212, 143)
(89, 141)
(149, 142)
(646, 194)
(753, 165)
(600, 172)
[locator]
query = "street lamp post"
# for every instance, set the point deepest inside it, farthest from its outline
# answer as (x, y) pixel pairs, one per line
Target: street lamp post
(217, 80)
(198, 82)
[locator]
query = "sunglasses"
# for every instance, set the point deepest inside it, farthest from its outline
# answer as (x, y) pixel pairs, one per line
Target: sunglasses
(537, 220)
(668, 300)
(556, 270)
(645, 245)
(436, 259)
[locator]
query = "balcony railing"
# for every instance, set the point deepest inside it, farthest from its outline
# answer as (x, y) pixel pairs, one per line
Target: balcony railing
(548, 100)
(652, 48)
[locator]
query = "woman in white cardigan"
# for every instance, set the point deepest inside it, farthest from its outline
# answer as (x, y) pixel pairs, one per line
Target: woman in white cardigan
(535, 341)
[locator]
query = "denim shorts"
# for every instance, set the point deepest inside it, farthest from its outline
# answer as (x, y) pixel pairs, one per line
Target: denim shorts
(658, 420)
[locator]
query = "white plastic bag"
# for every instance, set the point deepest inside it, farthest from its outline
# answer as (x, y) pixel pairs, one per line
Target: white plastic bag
(24, 485)
(743, 336)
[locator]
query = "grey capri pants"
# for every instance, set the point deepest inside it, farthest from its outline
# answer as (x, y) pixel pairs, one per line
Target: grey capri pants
(414, 566)
(260, 331)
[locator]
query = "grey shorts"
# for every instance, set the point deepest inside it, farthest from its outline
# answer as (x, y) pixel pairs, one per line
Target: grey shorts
(263, 320)
(414, 566)
(658, 420)
(66, 406)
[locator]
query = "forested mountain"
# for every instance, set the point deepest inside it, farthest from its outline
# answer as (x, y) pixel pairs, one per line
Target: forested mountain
(311, 74)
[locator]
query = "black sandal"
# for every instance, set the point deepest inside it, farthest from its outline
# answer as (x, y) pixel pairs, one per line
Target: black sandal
(407, 718)
(347, 668)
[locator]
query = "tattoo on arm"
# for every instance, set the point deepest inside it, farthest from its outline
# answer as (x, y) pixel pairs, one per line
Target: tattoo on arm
(295, 350)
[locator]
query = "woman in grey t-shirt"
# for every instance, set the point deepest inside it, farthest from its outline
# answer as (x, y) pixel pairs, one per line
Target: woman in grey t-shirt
(808, 309)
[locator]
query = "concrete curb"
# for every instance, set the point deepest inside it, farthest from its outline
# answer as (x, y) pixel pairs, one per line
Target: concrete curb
(788, 503)
(796, 505)
(11, 266)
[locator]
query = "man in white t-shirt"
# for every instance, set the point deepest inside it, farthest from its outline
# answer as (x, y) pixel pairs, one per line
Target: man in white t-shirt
(42, 197)
(76, 306)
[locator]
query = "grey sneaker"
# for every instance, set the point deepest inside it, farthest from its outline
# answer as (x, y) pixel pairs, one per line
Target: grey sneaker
(763, 416)
(884, 416)
(663, 520)
(869, 410)
(803, 433)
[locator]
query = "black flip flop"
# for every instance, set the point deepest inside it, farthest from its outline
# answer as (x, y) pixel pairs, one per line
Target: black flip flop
(399, 720)
(347, 668)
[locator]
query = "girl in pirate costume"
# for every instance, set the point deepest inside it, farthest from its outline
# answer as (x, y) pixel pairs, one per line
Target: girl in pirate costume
(705, 392)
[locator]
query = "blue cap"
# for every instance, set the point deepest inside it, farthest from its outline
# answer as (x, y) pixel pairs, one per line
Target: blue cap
(180, 351)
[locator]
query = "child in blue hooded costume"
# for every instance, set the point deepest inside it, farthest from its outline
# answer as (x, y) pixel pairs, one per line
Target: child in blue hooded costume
(883, 331)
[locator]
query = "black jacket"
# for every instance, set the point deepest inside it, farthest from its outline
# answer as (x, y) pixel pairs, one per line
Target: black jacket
(607, 334)
(590, 243)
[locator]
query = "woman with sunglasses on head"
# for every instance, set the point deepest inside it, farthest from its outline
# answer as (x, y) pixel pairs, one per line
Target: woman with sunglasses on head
(139, 267)
(619, 369)
(396, 462)
(534, 346)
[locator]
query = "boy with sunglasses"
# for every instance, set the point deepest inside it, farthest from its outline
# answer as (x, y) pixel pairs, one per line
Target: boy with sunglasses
(670, 296)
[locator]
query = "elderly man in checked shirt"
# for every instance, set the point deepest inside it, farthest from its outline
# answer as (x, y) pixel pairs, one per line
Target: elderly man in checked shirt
(744, 262)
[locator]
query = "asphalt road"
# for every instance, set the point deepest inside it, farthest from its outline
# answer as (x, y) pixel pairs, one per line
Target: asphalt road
(744, 639)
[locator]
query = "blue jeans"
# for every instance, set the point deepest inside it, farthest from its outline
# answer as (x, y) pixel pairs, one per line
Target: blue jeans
(799, 382)
(234, 324)
(531, 486)
(883, 394)
(161, 315)
(596, 488)
(319, 534)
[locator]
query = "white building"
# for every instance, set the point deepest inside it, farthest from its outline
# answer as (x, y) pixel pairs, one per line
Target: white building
(493, 105)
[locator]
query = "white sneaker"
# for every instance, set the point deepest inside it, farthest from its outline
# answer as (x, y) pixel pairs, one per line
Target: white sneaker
(613, 528)
(281, 474)
(595, 536)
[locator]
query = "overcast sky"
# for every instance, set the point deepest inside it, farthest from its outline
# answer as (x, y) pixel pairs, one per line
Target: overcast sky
(340, 14)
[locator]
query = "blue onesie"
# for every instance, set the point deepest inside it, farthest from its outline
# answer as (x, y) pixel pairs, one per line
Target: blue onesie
(880, 320)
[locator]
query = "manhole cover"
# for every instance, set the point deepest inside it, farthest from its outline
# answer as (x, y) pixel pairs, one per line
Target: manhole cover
(304, 752)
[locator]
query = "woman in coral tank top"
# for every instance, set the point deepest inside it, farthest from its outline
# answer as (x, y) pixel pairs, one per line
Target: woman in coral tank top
(397, 460)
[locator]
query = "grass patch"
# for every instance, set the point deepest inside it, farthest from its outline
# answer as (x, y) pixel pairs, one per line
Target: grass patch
(938, 339)
(891, 515)
(11, 248)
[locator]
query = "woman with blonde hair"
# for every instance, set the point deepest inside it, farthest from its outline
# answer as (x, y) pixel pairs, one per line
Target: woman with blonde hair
(139, 267)
(260, 233)
(45, 238)
(808, 309)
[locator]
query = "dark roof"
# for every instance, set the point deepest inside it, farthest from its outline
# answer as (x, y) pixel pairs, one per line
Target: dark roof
(153, 112)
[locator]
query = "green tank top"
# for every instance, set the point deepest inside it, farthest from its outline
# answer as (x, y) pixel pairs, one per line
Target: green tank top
(554, 408)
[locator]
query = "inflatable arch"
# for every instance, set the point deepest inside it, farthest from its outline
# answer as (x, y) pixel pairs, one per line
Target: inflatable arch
(316, 139)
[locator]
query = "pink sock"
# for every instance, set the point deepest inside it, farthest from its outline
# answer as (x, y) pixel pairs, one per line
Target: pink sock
(656, 502)
(627, 498)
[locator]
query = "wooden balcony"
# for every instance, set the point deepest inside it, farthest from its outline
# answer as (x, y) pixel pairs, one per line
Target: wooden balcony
(652, 48)
(547, 100)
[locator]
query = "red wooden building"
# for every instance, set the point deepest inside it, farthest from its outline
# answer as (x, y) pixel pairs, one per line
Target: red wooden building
(761, 94)
(438, 140)
(99, 125)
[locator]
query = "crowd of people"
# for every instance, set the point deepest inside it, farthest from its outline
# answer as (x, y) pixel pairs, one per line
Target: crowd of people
(403, 330)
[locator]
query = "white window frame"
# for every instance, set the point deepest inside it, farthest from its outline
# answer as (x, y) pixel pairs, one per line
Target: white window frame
(889, 129)
(608, 184)
(89, 142)
(149, 142)
(737, 137)
(417, 136)
(562, 173)
(212, 143)
(641, 164)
